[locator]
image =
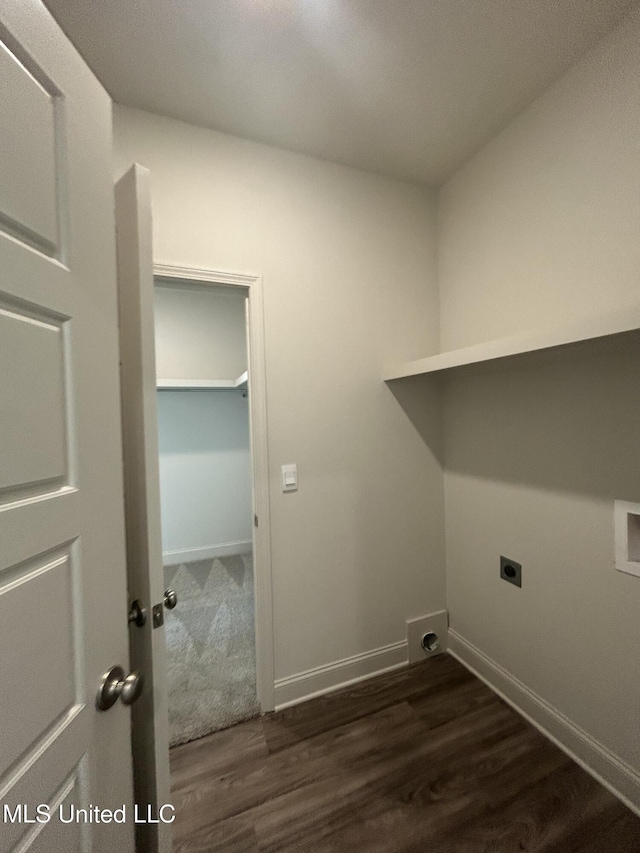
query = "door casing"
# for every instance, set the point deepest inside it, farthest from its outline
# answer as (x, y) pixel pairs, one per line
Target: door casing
(251, 286)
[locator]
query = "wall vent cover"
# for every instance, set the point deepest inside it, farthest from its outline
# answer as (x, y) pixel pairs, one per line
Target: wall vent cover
(626, 521)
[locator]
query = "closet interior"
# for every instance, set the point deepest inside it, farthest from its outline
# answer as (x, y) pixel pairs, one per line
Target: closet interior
(206, 505)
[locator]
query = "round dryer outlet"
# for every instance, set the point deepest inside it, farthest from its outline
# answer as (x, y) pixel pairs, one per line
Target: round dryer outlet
(430, 641)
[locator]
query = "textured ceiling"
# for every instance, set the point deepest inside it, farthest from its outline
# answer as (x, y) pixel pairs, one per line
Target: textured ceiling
(409, 88)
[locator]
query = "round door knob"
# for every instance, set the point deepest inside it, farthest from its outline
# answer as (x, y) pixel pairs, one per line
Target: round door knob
(115, 685)
(170, 598)
(131, 688)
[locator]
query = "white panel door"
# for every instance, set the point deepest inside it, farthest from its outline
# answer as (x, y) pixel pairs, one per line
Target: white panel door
(142, 499)
(62, 562)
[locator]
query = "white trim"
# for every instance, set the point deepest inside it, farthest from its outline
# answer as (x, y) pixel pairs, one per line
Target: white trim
(191, 274)
(252, 284)
(208, 552)
(579, 330)
(341, 673)
(611, 771)
(238, 384)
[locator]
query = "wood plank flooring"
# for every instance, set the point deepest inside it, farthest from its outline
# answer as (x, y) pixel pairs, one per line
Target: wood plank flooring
(426, 759)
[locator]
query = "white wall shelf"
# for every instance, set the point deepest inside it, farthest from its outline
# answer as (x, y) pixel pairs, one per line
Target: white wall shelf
(239, 384)
(579, 331)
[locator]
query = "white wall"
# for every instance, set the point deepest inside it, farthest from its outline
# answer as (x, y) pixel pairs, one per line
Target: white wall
(200, 333)
(348, 266)
(205, 474)
(542, 225)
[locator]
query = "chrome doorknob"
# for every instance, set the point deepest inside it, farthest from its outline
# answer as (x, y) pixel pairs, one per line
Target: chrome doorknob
(170, 598)
(115, 685)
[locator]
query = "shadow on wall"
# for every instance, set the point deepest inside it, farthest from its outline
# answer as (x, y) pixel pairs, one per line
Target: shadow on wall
(421, 400)
(567, 421)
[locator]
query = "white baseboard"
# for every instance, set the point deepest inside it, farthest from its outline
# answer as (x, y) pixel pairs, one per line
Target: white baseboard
(615, 774)
(190, 555)
(438, 623)
(325, 679)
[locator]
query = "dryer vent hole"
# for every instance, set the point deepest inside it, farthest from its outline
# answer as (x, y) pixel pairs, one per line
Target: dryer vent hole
(430, 641)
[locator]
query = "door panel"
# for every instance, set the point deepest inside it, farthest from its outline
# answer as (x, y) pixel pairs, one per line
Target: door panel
(32, 346)
(28, 136)
(142, 494)
(62, 563)
(58, 836)
(50, 692)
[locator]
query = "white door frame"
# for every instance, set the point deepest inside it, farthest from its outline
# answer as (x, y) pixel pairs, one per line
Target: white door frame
(252, 286)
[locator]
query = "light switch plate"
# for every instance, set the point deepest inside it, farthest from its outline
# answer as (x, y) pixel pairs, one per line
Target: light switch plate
(289, 478)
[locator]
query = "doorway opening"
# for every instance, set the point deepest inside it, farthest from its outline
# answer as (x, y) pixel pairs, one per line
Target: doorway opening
(211, 469)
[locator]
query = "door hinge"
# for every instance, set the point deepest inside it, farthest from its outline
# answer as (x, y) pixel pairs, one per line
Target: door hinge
(255, 520)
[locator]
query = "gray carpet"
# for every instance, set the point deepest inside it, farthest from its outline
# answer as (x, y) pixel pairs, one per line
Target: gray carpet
(210, 646)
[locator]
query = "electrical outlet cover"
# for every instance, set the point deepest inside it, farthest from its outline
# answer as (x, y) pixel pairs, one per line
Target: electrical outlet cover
(511, 571)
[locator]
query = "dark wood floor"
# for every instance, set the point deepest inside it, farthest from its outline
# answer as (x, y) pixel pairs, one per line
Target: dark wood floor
(424, 760)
